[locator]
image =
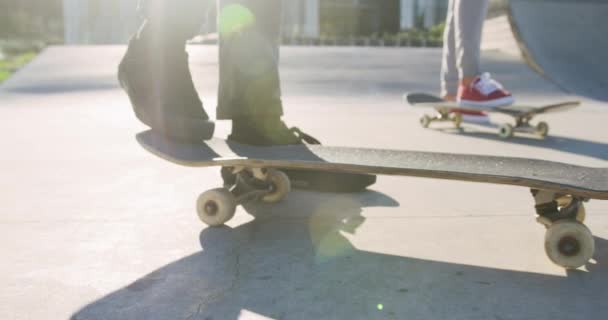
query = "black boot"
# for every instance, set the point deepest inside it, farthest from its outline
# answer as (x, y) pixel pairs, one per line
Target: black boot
(267, 131)
(155, 74)
(273, 131)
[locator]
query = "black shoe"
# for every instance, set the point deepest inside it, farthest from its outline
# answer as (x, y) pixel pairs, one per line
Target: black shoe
(265, 131)
(274, 132)
(154, 73)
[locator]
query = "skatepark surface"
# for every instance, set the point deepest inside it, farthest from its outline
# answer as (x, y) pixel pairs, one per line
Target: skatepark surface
(94, 227)
(566, 41)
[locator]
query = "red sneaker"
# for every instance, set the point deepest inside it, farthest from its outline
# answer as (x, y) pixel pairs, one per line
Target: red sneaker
(484, 92)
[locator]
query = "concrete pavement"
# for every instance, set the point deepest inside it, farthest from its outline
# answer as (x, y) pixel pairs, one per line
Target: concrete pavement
(93, 227)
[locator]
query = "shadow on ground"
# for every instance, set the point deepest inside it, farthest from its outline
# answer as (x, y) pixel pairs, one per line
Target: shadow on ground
(299, 264)
(581, 147)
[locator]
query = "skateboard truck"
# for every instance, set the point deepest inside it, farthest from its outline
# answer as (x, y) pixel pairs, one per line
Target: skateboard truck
(522, 124)
(568, 242)
(251, 184)
(553, 206)
(442, 116)
(241, 184)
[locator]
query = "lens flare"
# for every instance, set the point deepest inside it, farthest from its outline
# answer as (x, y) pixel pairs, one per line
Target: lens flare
(234, 18)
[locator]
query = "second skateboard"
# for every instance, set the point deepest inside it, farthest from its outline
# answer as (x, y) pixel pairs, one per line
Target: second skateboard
(522, 114)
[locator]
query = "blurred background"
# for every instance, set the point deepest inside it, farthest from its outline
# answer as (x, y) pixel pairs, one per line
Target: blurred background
(27, 26)
(112, 21)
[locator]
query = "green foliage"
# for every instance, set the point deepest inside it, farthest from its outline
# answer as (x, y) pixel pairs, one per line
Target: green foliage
(10, 65)
(4, 74)
(432, 37)
(436, 31)
(339, 22)
(233, 19)
(346, 18)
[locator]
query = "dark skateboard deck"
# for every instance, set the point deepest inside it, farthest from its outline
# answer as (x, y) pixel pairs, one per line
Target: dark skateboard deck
(255, 173)
(536, 174)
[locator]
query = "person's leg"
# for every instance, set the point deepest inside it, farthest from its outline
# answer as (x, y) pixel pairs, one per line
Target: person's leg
(469, 16)
(449, 71)
(250, 92)
(249, 33)
(476, 88)
(155, 72)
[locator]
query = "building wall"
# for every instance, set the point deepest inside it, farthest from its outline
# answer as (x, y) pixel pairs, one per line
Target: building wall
(31, 19)
(99, 21)
(301, 18)
(422, 13)
(345, 18)
(113, 21)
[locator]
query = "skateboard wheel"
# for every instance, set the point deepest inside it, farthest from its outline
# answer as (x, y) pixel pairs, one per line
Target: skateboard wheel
(542, 128)
(425, 121)
(457, 120)
(569, 244)
(505, 131)
(216, 207)
(279, 185)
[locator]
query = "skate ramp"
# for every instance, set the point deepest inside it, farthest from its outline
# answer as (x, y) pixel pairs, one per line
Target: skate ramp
(567, 41)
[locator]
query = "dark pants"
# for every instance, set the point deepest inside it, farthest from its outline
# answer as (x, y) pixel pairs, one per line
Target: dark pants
(155, 72)
(249, 58)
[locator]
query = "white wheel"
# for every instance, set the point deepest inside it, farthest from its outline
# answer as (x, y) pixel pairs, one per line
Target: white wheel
(542, 128)
(569, 244)
(279, 186)
(216, 207)
(425, 121)
(457, 120)
(505, 131)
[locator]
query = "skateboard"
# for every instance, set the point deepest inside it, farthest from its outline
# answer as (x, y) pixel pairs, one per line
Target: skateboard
(253, 173)
(522, 114)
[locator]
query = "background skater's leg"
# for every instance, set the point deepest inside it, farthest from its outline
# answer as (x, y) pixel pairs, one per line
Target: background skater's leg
(476, 89)
(469, 16)
(449, 70)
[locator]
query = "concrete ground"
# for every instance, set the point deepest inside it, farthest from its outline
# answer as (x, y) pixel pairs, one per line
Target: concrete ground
(93, 227)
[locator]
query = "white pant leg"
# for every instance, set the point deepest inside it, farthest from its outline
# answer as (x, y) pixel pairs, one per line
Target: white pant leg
(469, 16)
(449, 71)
